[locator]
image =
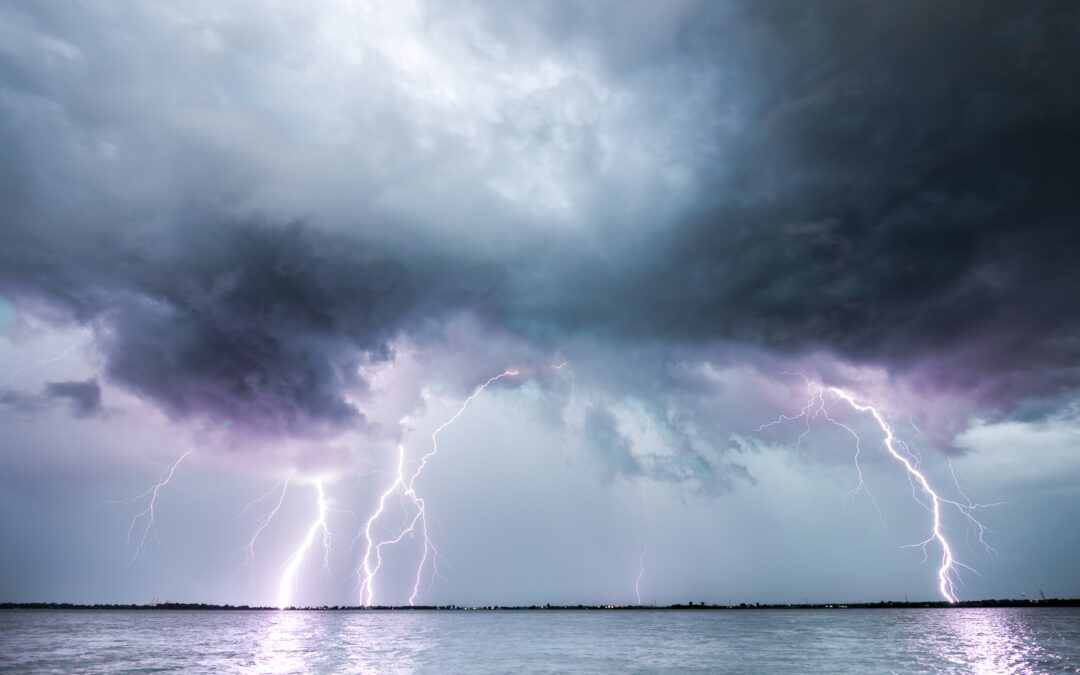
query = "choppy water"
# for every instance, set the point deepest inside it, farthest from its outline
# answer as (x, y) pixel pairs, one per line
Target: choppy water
(749, 641)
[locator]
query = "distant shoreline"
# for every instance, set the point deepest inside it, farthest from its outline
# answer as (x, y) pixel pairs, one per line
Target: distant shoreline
(182, 606)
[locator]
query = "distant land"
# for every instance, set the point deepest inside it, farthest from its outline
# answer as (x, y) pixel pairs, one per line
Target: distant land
(888, 604)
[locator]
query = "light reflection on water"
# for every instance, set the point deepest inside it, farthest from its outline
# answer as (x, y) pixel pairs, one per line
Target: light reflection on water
(745, 641)
(1003, 641)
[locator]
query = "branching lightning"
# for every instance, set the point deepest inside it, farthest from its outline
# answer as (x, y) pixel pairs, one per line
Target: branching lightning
(922, 491)
(249, 549)
(946, 570)
(418, 523)
(147, 515)
(292, 565)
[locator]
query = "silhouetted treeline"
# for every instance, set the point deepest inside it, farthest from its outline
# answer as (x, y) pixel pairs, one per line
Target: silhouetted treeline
(886, 604)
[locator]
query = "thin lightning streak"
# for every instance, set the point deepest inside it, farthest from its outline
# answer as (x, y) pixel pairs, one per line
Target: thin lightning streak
(264, 497)
(810, 412)
(918, 432)
(804, 414)
(249, 549)
(44, 362)
(559, 367)
(645, 548)
(147, 515)
(860, 485)
(372, 560)
(292, 566)
(569, 403)
(968, 507)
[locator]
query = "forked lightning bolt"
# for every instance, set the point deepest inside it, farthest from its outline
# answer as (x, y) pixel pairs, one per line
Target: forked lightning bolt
(292, 566)
(948, 565)
(370, 568)
(147, 515)
(249, 549)
(417, 524)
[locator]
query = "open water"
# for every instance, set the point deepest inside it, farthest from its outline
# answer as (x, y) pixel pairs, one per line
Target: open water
(1043, 640)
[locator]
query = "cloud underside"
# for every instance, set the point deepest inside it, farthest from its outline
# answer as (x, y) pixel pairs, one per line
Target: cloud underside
(250, 208)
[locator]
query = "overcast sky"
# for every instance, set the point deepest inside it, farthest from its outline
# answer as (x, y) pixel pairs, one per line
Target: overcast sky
(294, 238)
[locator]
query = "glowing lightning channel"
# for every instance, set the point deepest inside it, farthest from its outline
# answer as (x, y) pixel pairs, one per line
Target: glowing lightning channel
(947, 569)
(249, 550)
(147, 514)
(44, 362)
(645, 548)
(569, 404)
(292, 566)
(372, 560)
(573, 395)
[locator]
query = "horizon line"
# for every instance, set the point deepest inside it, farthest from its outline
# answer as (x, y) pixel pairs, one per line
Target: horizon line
(881, 604)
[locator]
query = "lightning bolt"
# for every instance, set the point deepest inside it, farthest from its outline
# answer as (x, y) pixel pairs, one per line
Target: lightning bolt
(559, 367)
(645, 547)
(968, 507)
(147, 515)
(922, 491)
(292, 565)
(44, 362)
(418, 524)
(249, 549)
(569, 403)
(367, 587)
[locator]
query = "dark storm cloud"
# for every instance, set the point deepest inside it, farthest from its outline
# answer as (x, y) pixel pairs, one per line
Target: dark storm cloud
(261, 327)
(601, 430)
(84, 397)
(901, 190)
(19, 403)
(893, 184)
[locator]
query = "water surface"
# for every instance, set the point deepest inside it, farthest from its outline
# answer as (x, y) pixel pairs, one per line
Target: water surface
(1011, 640)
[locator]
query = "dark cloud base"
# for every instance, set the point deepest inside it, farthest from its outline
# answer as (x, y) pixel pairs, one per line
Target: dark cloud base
(898, 191)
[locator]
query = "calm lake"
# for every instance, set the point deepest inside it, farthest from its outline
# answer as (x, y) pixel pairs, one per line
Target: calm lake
(746, 641)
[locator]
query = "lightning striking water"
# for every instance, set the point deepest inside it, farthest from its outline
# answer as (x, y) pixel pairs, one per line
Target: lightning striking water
(946, 570)
(147, 515)
(292, 565)
(418, 524)
(249, 549)
(922, 491)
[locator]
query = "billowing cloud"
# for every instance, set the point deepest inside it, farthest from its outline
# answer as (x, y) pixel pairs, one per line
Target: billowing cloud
(258, 212)
(83, 397)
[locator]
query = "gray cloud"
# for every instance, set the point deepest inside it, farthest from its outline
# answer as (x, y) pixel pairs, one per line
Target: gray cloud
(260, 326)
(84, 397)
(19, 403)
(896, 190)
(601, 430)
(246, 216)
